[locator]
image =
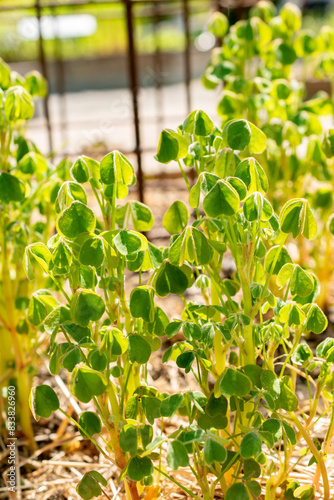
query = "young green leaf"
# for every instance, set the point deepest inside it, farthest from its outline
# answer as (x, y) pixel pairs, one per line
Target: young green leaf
(79, 171)
(86, 383)
(92, 252)
(75, 220)
(139, 349)
(218, 24)
(238, 134)
(297, 218)
(214, 451)
(86, 306)
(170, 405)
(258, 140)
(62, 255)
(171, 279)
(116, 168)
(43, 401)
(177, 455)
(192, 246)
(316, 320)
(90, 423)
(142, 217)
(223, 199)
(280, 260)
(140, 467)
(234, 383)
(68, 192)
(251, 445)
(18, 104)
(176, 217)
(89, 486)
(142, 303)
(168, 147)
(128, 439)
(11, 188)
(253, 175)
(129, 242)
(237, 491)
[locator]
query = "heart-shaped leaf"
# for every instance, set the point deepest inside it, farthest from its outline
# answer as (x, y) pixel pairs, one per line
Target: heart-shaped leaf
(142, 303)
(171, 279)
(234, 383)
(89, 486)
(223, 199)
(90, 423)
(140, 467)
(116, 168)
(177, 455)
(176, 217)
(214, 451)
(92, 252)
(75, 220)
(86, 306)
(86, 383)
(139, 349)
(11, 188)
(43, 401)
(237, 491)
(251, 445)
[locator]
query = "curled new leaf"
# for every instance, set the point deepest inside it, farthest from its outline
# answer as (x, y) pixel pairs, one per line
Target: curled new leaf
(198, 123)
(296, 217)
(18, 104)
(168, 147)
(116, 168)
(193, 246)
(79, 171)
(36, 252)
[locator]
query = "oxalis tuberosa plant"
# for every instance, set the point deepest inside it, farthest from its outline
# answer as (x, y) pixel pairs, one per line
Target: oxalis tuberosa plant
(100, 336)
(243, 341)
(264, 66)
(244, 430)
(28, 184)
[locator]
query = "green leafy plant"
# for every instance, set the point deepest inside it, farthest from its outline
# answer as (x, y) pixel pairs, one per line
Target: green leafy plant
(100, 336)
(264, 64)
(27, 187)
(243, 339)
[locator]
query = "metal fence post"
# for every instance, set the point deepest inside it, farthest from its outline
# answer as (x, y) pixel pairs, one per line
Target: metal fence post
(187, 66)
(60, 79)
(42, 60)
(134, 90)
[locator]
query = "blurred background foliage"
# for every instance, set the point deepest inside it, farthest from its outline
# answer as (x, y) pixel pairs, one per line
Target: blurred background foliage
(109, 38)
